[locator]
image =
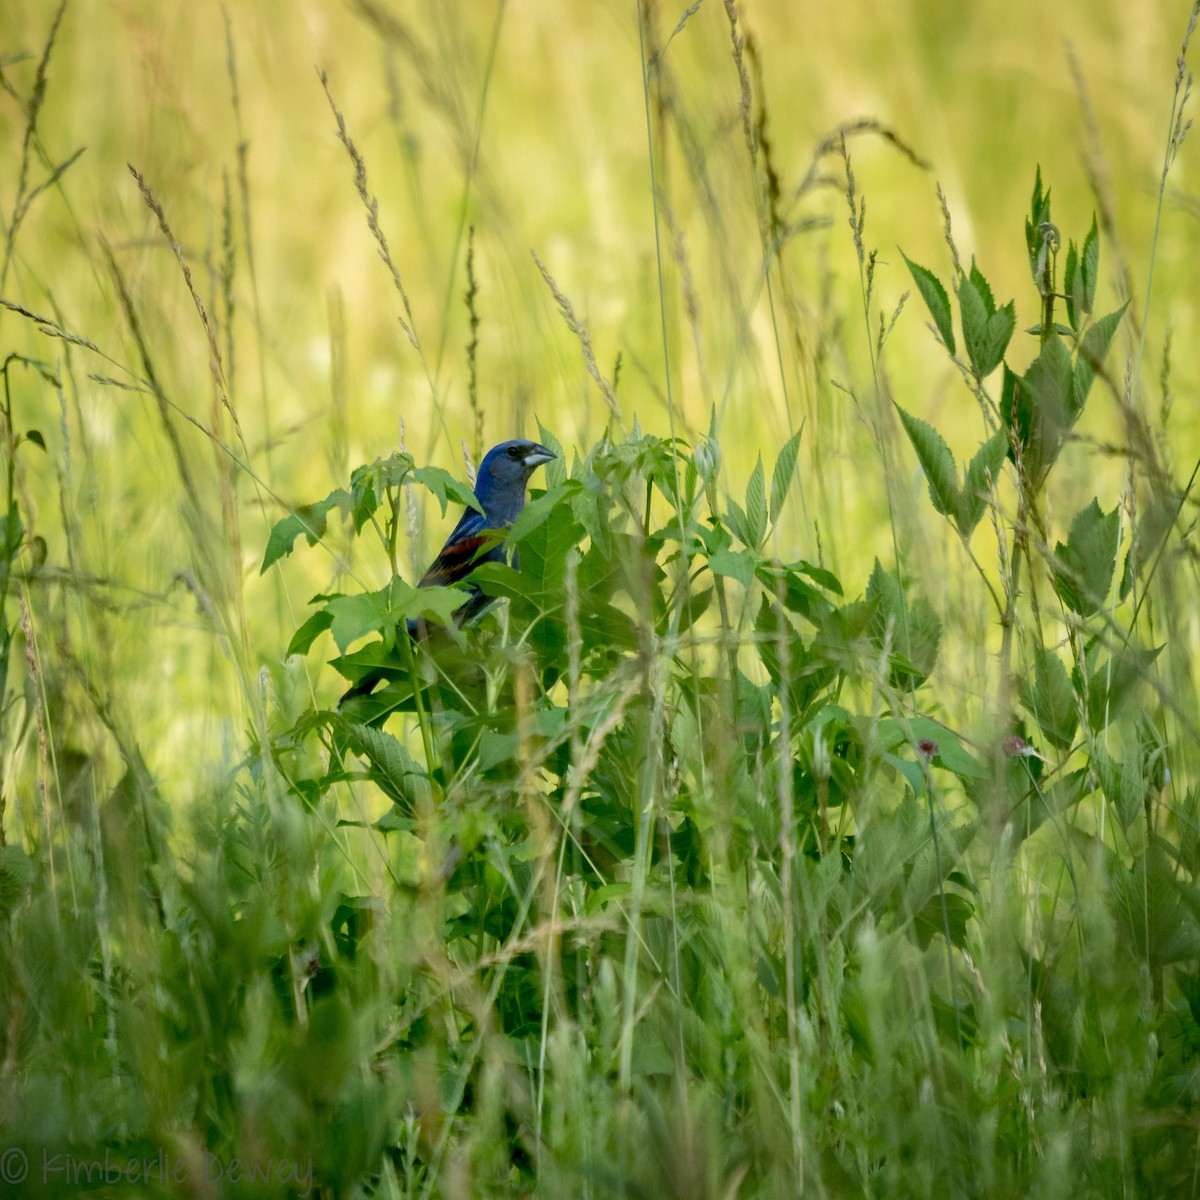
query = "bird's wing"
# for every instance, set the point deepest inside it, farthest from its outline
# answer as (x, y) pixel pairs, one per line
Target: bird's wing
(471, 540)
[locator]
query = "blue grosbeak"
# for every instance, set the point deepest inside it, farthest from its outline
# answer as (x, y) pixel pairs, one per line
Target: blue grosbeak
(500, 490)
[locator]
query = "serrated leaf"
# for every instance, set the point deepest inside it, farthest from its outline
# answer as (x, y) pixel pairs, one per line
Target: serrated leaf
(308, 519)
(556, 468)
(1073, 286)
(914, 629)
(1048, 386)
(1016, 412)
(1093, 349)
(1050, 699)
(1151, 531)
(986, 329)
(737, 565)
(1115, 682)
(781, 477)
(540, 509)
(936, 460)
(353, 617)
(974, 315)
(401, 778)
(756, 505)
(738, 522)
(1084, 569)
(988, 460)
(936, 300)
(1148, 898)
(1089, 266)
(446, 488)
(982, 287)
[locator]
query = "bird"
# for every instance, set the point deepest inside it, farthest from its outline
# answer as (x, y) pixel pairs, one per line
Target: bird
(500, 489)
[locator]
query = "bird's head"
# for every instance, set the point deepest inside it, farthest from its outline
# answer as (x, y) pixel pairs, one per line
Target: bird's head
(503, 474)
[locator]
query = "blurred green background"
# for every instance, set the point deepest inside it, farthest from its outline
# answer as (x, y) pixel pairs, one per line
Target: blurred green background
(528, 122)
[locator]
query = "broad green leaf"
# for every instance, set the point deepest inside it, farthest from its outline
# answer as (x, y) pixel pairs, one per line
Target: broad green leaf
(738, 521)
(1093, 349)
(737, 565)
(1084, 569)
(936, 461)
(1150, 532)
(975, 275)
(401, 778)
(974, 315)
(1124, 784)
(1115, 682)
(781, 477)
(914, 629)
(369, 484)
(16, 874)
(1147, 898)
(445, 487)
(1050, 699)
(308, 633)
(308, 519)
(936, 300)
(352, 617)
(1048, 385)
(756, 505)
(986, 329)
(988, 461)
(541, 508)
(556, 469)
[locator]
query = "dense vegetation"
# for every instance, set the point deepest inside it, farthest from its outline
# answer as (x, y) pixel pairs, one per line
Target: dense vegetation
(697, 867)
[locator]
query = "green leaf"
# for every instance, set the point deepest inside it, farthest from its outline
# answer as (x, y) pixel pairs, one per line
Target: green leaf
(556, 469)
(308, 633)
(1089, 266)
(914, 629)
(352, 617)
(981, 285)
(16, 874)
(35, 436)
(781, 477)
(937, 462)
(369, 484)
(973, 499)
(540, 509)
(1073, 287)
(756, 505)
(1148, 899)
(1048, 386)
(445, 487)
(740, 524)
(936, 300)
(737, 565)
(1115, 682)
(1039, 213)
(986, 330)
(1084, 569)
(1050, 699)
(398, 774)
(308, 519)
(1093, 349)
(1150, 532)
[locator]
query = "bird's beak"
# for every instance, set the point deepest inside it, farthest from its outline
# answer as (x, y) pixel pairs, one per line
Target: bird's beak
(538, 455)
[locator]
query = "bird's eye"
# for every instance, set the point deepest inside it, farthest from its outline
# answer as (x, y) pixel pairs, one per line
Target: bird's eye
(514, 452)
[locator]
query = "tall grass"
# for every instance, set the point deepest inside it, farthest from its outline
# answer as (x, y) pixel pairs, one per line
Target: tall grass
(818, 813)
